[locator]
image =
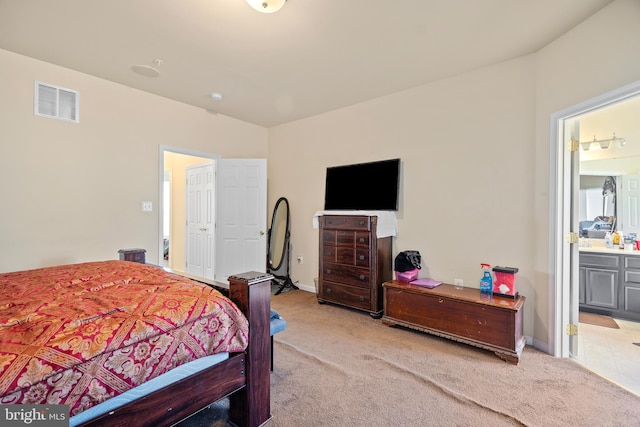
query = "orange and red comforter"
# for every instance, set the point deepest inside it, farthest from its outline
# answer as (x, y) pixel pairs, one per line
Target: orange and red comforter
(82, 333)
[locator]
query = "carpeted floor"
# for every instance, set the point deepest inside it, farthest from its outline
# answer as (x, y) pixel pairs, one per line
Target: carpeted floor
(338, 367)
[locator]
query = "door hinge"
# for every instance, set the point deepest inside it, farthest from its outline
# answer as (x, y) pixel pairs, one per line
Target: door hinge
(574, 145)
(572, 329)
(572, 237)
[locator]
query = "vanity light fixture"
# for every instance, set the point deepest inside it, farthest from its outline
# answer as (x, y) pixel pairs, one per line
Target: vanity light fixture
(267, 6)
(603, 143)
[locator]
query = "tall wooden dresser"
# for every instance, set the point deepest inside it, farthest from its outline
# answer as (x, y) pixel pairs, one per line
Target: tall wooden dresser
(354, 262)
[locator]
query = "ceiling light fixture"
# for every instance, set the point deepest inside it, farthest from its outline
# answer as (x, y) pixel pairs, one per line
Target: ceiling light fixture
(148, 70)
(266, 6)
(216, 96)
(603, 143)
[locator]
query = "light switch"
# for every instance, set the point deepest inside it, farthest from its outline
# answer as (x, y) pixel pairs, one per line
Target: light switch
(147, 206)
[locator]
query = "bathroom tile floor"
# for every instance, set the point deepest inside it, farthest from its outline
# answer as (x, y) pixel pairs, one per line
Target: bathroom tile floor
(611, 353)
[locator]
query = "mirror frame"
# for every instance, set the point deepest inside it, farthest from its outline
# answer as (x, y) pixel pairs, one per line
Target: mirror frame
(282, 203)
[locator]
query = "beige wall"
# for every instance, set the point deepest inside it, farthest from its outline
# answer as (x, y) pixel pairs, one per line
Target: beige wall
(466, 145)
(73, 192)
(475, 155)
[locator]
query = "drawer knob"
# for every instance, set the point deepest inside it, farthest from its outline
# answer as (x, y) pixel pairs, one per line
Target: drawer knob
(362, 277)
(328, 271)
(328, 290)
(440, 300)
(361, 257)
(361, 222)
(361, 298)
(362, 240)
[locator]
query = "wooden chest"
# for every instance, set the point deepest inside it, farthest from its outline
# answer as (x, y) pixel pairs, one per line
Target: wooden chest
(462, 314)
(353, 263)
(133, 255)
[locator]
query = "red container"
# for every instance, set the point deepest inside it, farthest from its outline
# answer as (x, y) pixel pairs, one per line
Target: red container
(504, 283)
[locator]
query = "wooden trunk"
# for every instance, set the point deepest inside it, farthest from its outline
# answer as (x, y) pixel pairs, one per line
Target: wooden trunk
(462, 314)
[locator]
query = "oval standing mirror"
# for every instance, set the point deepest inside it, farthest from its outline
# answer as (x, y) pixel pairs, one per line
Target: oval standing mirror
(278, 234)
(278, 258)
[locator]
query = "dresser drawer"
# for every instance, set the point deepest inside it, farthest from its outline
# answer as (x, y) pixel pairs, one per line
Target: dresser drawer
(347, 256)
(347, 295)
(345, 222)
(347, 238)
(362, 239)
(362, 258)
(346, 274)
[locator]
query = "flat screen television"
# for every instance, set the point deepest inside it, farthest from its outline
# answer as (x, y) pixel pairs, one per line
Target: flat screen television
(363, 186)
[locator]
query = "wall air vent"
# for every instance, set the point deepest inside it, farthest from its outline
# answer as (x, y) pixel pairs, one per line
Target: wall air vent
(56, 102)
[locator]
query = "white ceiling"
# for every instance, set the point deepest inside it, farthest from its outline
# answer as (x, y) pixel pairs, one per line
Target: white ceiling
(310, 57)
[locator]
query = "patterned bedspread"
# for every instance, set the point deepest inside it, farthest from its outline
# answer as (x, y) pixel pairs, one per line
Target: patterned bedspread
(79, 334)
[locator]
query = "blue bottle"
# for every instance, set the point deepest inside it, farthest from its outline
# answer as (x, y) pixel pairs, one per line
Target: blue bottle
(486, 283)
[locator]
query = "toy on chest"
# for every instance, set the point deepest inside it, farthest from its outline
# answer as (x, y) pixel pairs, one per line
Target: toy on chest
(505, 281)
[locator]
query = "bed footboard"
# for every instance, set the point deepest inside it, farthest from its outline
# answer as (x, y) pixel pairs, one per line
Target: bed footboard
(251, 292)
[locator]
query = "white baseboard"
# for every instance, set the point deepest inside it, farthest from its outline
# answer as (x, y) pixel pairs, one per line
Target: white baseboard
(542, 346)
(306, 288)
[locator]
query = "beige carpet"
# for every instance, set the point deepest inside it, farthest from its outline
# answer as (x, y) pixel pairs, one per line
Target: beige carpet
(337, 367)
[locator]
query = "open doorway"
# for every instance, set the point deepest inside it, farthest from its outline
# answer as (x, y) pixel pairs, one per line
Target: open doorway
(240, 206)
(174, 163)
(611, 121)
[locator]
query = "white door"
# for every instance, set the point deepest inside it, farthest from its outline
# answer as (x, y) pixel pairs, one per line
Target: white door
(241, 241)
(569, 252)
(630, 205)
(573, 133)
(200, 247)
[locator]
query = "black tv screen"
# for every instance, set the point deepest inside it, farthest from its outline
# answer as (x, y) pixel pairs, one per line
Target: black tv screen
(363, 186)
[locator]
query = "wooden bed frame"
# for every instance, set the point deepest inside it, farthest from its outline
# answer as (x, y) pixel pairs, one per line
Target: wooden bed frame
(244, 377)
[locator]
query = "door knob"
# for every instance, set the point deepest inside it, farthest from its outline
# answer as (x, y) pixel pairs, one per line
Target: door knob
(203, 228)
(261, 233)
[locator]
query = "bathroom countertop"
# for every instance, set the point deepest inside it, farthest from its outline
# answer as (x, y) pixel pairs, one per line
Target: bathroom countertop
(605, 250)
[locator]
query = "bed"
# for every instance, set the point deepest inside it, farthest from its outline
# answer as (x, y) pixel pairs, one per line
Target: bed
(88, 334)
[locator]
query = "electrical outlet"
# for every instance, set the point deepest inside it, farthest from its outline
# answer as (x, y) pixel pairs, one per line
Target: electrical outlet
(300, 259)
(458, 283)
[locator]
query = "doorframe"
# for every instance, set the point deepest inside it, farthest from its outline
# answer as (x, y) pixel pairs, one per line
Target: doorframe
(177, 150)
(561, 283)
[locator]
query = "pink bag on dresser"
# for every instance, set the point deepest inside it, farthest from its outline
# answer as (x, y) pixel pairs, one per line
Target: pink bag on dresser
(407, 276)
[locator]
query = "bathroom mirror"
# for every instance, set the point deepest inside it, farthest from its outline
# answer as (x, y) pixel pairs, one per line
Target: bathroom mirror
(617, 198)
(598, 207)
